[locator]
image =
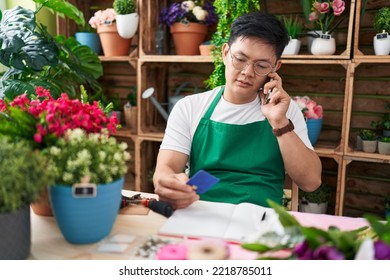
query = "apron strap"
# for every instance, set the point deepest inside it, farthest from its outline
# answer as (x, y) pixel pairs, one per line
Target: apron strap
(211, 108)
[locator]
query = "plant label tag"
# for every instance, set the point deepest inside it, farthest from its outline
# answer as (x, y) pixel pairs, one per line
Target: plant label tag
(325, 36)
(84, 190)
(382, 35)
(201, 181)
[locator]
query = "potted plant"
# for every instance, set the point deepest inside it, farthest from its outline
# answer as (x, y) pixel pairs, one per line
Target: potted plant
(87, 36)
(126, 17)
(112, 43)
(58, 63)
(227, 11)
(313, 114)
(315, 202)
(382, 27)
(24, 177)
(188, 23)
(44, 120)
(384, 145)
(115, 105)
(383, 123)
(89, 171)
(369, 140)
(130, 110)
(324, 14)
(294, 29)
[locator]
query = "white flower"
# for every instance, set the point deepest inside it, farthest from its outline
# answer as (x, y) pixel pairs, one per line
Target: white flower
(102, 155)
(187, 5)
(55, 151)
(200, 14)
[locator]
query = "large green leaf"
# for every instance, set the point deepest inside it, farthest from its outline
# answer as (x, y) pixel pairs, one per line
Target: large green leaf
(64, 8)
(21, 46)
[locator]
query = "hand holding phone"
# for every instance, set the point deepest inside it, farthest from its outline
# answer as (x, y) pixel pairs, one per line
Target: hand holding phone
(267, 96)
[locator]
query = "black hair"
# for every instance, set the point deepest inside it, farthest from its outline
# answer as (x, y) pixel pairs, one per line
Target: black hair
(262, 26)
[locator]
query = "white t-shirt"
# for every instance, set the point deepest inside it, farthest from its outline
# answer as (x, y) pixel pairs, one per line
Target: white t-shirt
(187, 112)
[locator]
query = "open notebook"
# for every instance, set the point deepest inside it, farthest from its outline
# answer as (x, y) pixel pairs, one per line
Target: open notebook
(216, 219)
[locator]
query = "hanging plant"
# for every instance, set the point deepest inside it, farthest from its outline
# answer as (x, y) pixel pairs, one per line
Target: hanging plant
(227, 11)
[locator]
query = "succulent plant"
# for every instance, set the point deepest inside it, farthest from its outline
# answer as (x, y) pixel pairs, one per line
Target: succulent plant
(124, 7)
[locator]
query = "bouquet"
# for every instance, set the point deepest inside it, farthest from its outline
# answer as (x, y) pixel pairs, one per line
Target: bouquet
(95, 156)
(189, 11)
(309, 107)
(106, 16)
(324, 12)
(309, 243)
(43, 120)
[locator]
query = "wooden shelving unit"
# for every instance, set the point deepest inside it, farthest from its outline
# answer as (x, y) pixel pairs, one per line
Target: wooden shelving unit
(333, 81)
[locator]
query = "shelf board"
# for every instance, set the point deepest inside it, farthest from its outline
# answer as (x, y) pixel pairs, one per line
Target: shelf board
(370, 157)
(125, 132)
(116, 58)
(371, 59)
(154, 136)
(175, 58)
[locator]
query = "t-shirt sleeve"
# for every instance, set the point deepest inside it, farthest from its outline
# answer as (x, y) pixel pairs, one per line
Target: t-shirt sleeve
(296, 116)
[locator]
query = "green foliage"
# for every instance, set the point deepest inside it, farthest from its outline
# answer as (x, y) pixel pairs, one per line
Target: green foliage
(387, 202)
(24, 175)
(132, 97)
(227, 11)
(320, 195)
(306, 7)
(124, 7)
(382, 20)
(64, 9)
(293, 26)
(384, 139)
(367, 134)
(55, 63)
(384, 123)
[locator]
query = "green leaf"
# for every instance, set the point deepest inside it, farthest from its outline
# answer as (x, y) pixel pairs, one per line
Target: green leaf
(286, 219)
(64, 8)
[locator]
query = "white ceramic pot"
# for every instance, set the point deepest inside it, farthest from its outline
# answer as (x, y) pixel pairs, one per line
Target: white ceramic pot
(293, 47)
(309, 207)
(310, 38)
(384, 148)
(127, 25)
(369, 146)
(382, 44)
(325, 45)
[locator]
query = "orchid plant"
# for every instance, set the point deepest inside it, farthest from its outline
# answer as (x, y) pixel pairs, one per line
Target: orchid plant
(42, 120)
(324, 12)
(189, 11)
(309, 243)
(309, 107)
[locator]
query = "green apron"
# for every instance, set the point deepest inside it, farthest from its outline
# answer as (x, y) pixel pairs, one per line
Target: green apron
(246, 158)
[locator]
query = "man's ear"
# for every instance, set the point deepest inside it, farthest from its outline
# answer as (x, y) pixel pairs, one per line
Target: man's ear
(278, 65)
(225, 51)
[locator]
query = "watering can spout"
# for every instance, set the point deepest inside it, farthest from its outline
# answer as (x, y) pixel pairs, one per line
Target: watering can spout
(148, 93)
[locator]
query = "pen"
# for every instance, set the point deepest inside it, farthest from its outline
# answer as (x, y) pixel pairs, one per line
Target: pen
(263, 217)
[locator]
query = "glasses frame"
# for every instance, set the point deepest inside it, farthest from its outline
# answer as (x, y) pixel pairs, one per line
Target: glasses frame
(233, 57)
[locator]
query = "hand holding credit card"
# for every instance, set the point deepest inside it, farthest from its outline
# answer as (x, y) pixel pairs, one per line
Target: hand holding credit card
(201, 181)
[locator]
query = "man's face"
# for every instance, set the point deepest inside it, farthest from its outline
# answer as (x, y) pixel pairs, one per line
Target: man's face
(242, 59)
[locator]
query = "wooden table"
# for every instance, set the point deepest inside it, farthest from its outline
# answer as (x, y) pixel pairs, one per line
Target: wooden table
(49, 243)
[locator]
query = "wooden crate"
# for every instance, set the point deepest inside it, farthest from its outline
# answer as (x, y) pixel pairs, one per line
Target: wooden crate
(364, 30)
(343, 34)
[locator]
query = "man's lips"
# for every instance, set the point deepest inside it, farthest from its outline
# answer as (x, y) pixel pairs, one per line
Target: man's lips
(244, 83)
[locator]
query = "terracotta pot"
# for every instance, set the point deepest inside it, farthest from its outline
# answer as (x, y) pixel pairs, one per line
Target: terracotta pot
(206, 49)
(188, 37)
(112, 43)
(42, 206)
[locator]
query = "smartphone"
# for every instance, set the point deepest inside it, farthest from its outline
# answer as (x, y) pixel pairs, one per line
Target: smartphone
(267, 97)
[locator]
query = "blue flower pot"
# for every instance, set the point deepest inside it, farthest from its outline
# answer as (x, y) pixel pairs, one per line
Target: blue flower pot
(314, 127)
(89, 39)
(84, 220)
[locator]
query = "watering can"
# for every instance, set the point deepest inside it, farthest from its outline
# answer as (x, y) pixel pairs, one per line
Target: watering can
(148, 93)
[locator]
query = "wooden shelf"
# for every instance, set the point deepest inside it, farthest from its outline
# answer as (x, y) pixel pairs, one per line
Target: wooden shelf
(368, 157)
(175, 58)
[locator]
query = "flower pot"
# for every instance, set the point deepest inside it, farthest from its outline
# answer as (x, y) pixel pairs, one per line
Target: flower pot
(382, 44)
(310, 38)
(314, 127)
(15, 235)
(86, 219)
(188, 37)
(309, 207)
(293, 47)
(369, 146)
(42, 206)
(112, 43)
(325, 45)
(89, 39)
(206, 49)
(384, 148)
(127, 25)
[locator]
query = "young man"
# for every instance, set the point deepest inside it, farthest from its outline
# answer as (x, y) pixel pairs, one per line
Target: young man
(234, 132)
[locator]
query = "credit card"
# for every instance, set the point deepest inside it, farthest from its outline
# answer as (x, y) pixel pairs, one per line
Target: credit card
(202, 181)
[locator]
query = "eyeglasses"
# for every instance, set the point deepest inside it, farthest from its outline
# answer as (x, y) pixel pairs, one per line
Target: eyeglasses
(261, 68)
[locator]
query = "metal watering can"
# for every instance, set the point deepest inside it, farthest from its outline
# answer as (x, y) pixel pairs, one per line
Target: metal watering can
(148, 93)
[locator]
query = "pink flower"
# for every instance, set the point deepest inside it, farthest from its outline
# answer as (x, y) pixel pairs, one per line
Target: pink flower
(323, 8)
(309, 107)
(313, 16)
(338, 7)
